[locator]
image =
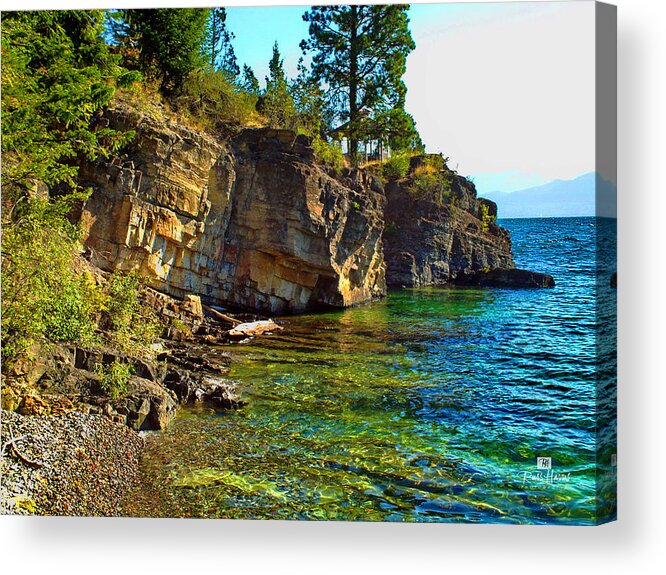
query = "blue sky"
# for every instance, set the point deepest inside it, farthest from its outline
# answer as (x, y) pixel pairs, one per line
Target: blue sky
(505, 90)
(257, 28)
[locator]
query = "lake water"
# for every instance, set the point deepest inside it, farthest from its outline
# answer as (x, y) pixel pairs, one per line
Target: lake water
(431, 405)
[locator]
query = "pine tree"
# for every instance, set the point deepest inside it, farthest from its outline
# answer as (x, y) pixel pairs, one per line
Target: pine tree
(309, 103)
(57, 73)
(277, 105)
(218, 48)
(249, 82)
(360, 53)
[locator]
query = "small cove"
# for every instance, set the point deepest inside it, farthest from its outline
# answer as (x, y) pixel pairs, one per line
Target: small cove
(430, 405)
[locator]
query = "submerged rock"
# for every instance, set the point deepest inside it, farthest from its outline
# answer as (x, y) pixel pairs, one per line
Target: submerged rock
(509, 278)
(219, 392)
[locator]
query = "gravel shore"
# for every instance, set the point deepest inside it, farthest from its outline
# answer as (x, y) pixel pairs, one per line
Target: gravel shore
(74, 464)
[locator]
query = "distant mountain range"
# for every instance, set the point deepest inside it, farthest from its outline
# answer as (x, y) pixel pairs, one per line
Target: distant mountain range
(559, 198)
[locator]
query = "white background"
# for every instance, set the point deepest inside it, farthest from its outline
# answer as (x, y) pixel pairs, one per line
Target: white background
(634, 544)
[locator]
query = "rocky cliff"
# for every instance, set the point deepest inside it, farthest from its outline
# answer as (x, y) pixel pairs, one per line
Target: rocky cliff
(436, 241)
(249, 221)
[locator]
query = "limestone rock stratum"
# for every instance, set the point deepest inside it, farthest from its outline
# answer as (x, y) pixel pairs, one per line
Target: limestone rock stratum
(249, 221)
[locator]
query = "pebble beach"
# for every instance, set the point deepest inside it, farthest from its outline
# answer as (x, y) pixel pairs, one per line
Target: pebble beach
(73, 464)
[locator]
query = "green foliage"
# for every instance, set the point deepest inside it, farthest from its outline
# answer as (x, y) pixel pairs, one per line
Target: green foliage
(249, 82)
(428, 182)
(217, 46)
(47, 294)
(57, 74)
(133, 326)
(396, 167)
(394, 127)
(328, 153)
(169, 42)
(277, 104)
(124, 303)
(360, 54)
(212, 100)
(486, 218)
(312, 115)
(113, 378)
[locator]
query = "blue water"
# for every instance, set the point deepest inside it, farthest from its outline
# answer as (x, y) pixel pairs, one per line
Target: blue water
(432, 405)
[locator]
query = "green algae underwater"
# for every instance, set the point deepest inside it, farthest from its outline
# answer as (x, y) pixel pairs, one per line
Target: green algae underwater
(431, 405)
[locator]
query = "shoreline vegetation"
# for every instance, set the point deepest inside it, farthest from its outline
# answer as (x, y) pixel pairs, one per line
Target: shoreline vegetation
(92, 354)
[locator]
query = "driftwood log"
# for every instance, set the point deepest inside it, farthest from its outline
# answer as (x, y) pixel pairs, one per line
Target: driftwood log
(221, 316)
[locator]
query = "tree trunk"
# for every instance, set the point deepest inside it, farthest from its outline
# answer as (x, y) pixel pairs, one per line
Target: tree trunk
(353, 87)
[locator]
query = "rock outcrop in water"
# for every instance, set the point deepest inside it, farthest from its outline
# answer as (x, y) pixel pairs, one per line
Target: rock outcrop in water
(435, 243)
(249, 221)
(447, 237)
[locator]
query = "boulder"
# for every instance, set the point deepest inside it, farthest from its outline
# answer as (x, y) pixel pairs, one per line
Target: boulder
(35, 405)
(192, 306)
(146, 405)
(11, 398)
(221, 393)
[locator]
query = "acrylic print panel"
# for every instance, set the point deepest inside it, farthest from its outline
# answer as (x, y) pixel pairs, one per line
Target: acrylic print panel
(341, 263)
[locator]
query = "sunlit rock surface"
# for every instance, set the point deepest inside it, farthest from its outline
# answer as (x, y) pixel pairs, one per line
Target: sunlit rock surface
(250, 221)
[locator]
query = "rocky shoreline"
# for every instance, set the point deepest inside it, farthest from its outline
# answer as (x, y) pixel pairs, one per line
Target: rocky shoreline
(70, 449)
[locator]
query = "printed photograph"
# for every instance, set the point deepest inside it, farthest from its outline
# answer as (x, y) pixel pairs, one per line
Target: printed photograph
(344, 262)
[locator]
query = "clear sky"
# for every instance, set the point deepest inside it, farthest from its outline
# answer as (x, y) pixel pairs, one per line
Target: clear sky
(505, 90)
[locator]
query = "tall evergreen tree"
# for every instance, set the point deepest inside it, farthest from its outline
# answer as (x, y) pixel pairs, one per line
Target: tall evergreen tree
(277, 105)
(218, 48)
(169, 41)
(360, 53)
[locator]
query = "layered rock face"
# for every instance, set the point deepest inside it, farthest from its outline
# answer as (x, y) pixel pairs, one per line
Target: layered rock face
(250, 221)
(431, 243)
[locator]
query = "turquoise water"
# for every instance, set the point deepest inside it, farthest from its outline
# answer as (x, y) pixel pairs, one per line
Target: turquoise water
(431, 405)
